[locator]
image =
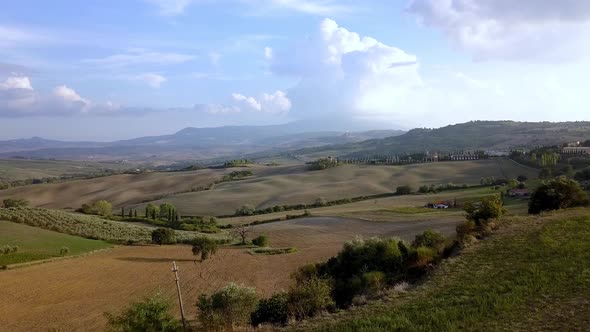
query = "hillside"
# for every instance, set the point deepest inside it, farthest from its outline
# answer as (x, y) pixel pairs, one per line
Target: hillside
(475, 135)
(295, 185)
(532, 275)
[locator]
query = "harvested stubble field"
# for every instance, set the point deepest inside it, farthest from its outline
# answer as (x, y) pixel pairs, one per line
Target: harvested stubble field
(120, 190)
(22, 169)
(289, 185)
(393, 208)
(71, 295)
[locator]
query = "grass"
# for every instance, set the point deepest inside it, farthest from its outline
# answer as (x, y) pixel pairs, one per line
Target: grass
(37, 244)
(534, 273)
(272, 251)
(291, 185)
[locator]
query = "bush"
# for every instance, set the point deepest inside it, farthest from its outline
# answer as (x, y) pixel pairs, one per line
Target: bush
(322, 164)
(101, 208)
(309, 297)
(245, 210)
(489, 208)
(64, 251)
(464, 229)
(204, 247)
(152, 314)
(430, 239)
(261, 241)
(374, 282)
(273, 310)
(424, 189)
(15, 202)
(521, 178)
(558, 194)
(8, 249)
(163, 236)
(403, 190)
(230, 307)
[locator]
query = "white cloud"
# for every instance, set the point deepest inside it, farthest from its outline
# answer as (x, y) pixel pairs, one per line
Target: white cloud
(277, 102)
(151, 79)
(340, 71)
(141, 57)
(346, 76)
(18, 98)
(17, 82)
(171, 7)
(524, 29)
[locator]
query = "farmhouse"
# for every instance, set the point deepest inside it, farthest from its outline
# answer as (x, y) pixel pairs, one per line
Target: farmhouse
(579, 150)
(519, 192)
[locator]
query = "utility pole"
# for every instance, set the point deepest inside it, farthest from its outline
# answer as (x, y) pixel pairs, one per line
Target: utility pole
(175, 270)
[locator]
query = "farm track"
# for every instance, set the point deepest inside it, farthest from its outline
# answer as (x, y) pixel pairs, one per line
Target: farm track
(73, 294)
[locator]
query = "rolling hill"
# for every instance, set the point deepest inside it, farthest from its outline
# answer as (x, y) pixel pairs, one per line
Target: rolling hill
(474, 135)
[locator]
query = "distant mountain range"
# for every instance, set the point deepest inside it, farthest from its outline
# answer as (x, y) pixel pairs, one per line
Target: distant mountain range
(292, 140)
(188, 143)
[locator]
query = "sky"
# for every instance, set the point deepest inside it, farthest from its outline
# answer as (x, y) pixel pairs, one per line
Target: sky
(107, 69)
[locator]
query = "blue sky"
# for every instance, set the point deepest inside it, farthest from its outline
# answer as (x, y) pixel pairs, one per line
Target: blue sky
(105, 70)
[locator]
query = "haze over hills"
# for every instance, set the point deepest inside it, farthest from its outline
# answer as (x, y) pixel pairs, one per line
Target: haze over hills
(189, 143)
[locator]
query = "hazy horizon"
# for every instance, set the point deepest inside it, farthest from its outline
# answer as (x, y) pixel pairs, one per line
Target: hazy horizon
(107, 70)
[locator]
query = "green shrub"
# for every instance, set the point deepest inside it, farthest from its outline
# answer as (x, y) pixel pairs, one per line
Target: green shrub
(64, 251)
(309, 297)
(261, 241)
(489, 208)
(465, 228)
(245, 210)
(374, 282)
(15, 202)
(8, 249)
(558, 194)
(204, 246)
(152, 314)
(228, 308)
(430, 239)
(163, 236)
(273, 310)
(403, 190)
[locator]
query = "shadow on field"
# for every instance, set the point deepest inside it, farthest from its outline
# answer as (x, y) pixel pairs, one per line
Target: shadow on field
(153, 259)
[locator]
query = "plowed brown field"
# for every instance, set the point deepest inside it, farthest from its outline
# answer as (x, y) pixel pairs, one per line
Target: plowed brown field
(73, 294)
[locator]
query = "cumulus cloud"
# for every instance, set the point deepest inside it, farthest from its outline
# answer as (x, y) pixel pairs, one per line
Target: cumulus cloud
(18, 98)
(343, 75)
(340, 71)
(276, 102)
(16, 82)
(524, 29)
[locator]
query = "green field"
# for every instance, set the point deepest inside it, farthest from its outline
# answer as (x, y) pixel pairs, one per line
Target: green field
(295, 185)
(22, 169)
(36, 244)
(532, 275)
